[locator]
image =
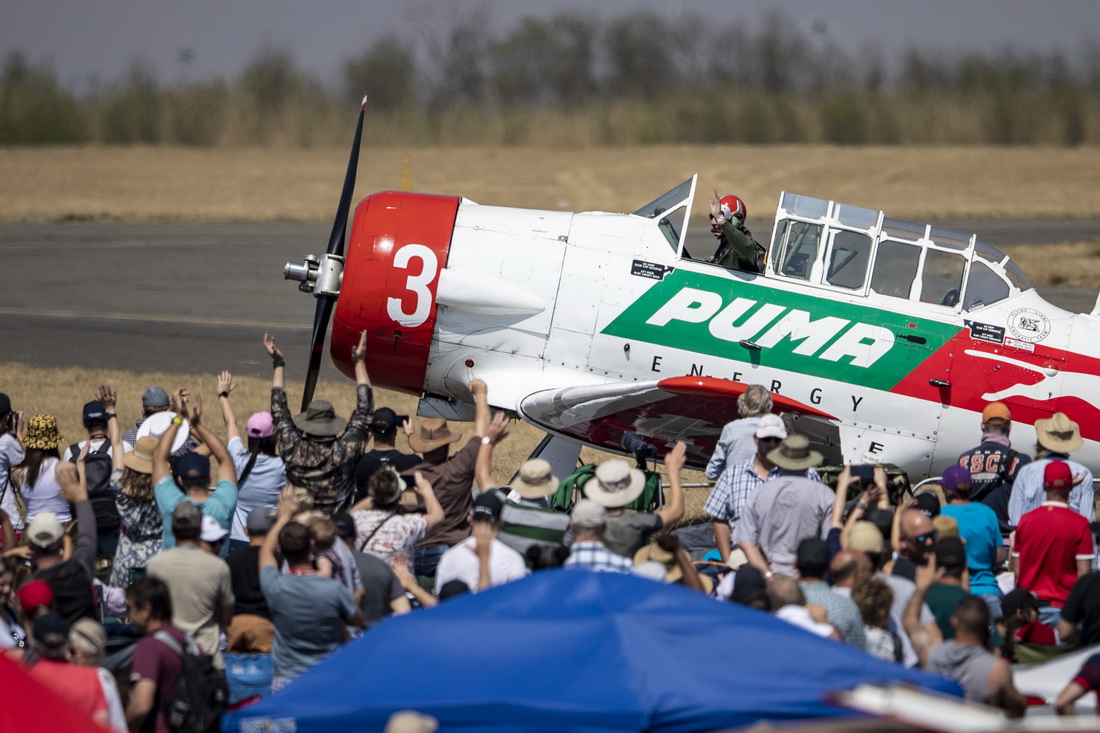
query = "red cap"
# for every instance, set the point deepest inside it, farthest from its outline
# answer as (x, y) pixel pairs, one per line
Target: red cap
(34, 594)
(996, 412)
(1057, 476)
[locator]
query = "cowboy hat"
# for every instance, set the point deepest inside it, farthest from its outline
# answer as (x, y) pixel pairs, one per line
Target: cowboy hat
(535, 480)
(433, 434)
(1058, 434)
(795, 454)
(615, 484)
(320, 419)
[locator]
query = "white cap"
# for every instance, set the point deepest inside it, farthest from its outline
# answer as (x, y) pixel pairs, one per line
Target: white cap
(771, 426)
(212, 531)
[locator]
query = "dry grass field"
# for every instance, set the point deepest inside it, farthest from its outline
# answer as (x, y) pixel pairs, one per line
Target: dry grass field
(160, 183)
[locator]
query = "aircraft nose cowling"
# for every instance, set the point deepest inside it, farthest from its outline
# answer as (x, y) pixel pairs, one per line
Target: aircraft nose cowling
(396, 252)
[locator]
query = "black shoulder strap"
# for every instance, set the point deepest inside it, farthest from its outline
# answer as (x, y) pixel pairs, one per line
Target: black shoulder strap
(74, 451)
(1002, 475)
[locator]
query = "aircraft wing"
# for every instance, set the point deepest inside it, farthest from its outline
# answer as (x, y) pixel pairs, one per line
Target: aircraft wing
(691, 409)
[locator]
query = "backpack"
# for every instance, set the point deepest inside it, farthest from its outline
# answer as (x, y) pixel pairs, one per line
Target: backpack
(572, 487)
(98, 466)
(201, 693)
(74, 595)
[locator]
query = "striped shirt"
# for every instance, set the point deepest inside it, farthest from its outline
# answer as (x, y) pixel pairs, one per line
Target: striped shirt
(529, 523)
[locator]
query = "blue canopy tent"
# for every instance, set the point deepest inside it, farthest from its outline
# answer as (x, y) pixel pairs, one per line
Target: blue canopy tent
(573, 650)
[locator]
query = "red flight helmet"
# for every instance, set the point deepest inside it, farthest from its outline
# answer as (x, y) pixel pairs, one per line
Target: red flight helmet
(732, 205)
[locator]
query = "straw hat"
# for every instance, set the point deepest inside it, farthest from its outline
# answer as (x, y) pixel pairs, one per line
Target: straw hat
(1059, 433)
(535, 480)
(42, 433)
(140, 459)
(795, 454)
(433, 434)
(615, 484)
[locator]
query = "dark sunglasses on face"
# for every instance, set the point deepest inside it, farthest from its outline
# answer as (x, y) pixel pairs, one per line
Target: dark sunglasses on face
(922, 539)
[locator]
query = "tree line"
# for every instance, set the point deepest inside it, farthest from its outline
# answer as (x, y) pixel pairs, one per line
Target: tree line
(574, 79)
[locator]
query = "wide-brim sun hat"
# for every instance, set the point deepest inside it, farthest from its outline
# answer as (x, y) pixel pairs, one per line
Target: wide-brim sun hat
(434, 433)
(140, 459)
(535, 480)
(1059, 433)
(615, 484)
(655, 553)
(795, 454)
(320, 419)
(42, 433)
(157, 424)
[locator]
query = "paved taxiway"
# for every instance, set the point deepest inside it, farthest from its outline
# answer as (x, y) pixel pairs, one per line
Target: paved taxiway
(196, 297)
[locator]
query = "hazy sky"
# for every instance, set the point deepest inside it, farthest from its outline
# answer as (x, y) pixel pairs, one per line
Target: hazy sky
(86, 38)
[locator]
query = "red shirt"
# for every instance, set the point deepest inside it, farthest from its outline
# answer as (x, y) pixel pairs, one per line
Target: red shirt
(76, 684)
(1049, 542)
(1089, 677)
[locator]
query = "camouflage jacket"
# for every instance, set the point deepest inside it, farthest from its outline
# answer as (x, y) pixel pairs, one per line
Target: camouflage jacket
(324, 467)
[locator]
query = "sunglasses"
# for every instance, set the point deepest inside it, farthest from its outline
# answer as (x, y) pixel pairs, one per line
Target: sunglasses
(924, 538)
(770, 440)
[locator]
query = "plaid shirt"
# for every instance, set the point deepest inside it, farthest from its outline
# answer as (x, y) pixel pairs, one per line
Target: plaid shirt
(735, 486)
(324, 467)
(594, 556)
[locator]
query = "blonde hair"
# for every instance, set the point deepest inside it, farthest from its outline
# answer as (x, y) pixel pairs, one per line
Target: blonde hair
(754, 401)
(322, 531)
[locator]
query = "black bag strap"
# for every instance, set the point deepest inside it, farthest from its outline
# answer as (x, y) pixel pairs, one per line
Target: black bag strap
(375, 531)
(74, 450)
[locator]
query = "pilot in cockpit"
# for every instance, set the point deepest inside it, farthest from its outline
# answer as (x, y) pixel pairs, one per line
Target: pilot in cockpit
(736, 247)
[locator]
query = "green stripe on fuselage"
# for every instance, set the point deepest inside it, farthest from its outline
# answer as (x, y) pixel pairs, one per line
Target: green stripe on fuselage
(797, 332)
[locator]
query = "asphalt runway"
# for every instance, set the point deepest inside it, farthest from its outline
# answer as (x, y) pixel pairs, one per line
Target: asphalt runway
(197, 297)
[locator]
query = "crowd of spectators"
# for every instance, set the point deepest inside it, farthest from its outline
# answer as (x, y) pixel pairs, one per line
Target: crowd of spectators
(306, 530)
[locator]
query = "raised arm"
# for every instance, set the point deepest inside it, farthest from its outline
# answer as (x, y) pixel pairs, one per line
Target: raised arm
(109, 398)
(483, 466)
(226, 470)
(288, 505)
(922, 640)
(161, 468)
(480, 391)
(359, 358)
(674, 463)
(278, 376)
(434, 514)
(229, 415)
(74, 489)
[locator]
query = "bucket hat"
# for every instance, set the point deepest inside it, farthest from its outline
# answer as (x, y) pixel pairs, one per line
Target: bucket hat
(320, 419)
(42, 433)
(795, 454)
(615, 484)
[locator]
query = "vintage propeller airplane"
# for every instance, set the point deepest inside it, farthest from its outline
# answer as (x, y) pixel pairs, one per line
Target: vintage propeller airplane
(882, 339)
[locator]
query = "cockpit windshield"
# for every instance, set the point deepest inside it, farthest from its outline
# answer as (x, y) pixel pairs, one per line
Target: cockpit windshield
(670, 209)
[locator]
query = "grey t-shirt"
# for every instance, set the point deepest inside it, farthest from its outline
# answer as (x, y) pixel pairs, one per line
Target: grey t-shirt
(626, 533)
(968, 664)
(307, 611)
(381, 586)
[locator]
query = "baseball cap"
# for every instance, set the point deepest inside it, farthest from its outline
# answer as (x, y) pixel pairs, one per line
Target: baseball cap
(950, 553)
(94, 412)
(154, 397)
(1057, 476)
(186, 517)
(487, 506)
(212, 531)
(260, 520)
(1019, 599)
(5, 403)
(51, 630)
(748, 585)
(345, 525)
(34, 594)
(955, 477)
(383, 421)
(928, 502)
(89, 632)
(260, 425)
(864, 536)
(771, 426)
(45, 529)
(193, 465)
(588, 514)
(996, 412)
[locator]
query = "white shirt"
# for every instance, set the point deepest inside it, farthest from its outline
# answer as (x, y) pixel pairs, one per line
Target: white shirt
(45, 495)
(68, 454)
(11, 454)
(460, 563)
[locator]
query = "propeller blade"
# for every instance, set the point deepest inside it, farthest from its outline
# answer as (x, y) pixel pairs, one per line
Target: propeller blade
(335, 247)
(317, 346)
(339, 225)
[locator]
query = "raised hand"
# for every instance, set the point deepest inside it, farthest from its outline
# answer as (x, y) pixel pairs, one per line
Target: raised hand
(272, 349)
(108, 397)
(359, 351)
(675, 458)
(225, 382)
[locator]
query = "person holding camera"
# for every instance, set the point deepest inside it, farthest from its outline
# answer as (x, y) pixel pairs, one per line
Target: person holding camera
(384, 454)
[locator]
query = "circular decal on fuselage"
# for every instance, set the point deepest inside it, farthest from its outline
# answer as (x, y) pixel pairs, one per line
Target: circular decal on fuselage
(1028, 324)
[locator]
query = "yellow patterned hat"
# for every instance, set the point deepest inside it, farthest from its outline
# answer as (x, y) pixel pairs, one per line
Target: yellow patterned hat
(42, 433)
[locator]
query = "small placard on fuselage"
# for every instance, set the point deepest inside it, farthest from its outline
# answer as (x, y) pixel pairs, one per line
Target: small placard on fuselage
(986, 332)
(652, 270)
